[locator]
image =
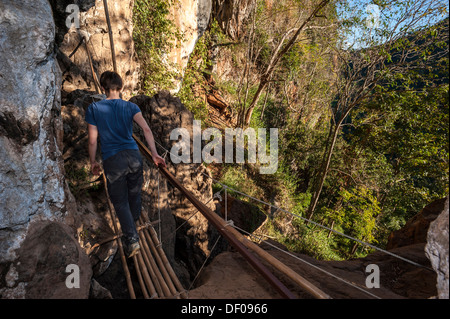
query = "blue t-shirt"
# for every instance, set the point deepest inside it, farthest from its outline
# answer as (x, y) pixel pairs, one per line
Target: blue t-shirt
(114, 121)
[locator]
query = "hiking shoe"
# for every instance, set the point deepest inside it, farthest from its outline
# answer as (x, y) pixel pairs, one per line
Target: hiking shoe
(133, 249)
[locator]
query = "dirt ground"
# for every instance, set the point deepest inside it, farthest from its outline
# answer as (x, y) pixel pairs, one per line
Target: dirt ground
(229, 276)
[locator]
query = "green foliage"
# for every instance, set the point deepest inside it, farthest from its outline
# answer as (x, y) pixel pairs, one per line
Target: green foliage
(154, 36)
(308, 240)
(357, 217)
(408, 123)
(391, 156)
(237, 178)
(193, 86)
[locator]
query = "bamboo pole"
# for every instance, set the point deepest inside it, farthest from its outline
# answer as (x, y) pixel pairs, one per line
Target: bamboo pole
(222, 225)
(139, 275)
(147, 278)
(119, 243)
(161, 265)
(162, 268)
(209, 214)
(91, 65)
(167, 264)
(301, 281)
(159, 277)
(151, 269)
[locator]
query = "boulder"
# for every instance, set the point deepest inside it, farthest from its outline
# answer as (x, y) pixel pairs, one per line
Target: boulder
(41, 271)
(415, 229)
(436, 250)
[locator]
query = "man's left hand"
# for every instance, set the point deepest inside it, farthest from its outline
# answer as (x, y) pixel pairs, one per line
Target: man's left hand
(95, 168)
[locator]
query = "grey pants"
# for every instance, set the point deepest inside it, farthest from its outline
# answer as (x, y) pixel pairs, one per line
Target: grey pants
(125, 176)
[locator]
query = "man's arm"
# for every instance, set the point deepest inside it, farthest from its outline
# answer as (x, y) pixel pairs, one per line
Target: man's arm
(139, 119)
(93, 135)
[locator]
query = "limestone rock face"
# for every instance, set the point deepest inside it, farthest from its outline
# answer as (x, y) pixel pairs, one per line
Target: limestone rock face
(35, 246)
(191, 17)
(231, 15)
(31, 172)
(437, 251)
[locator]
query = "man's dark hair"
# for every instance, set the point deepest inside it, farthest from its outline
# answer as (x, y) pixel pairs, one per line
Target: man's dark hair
(110, 80)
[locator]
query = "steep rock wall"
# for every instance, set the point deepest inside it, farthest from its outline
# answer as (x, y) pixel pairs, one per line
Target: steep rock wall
(32, 186)
(191, 17)
(231, 15)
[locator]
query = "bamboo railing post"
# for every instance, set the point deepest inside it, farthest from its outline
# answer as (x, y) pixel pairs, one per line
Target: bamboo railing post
(111, 40)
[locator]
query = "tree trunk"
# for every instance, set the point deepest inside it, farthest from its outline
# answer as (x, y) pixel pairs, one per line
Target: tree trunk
(331, 227)
(265, 102)
(248, 113)
(279, 53)
(325, 167)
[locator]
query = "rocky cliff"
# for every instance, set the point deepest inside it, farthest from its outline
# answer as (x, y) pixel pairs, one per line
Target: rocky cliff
(34, 198)
(53, 212)
(191, 17)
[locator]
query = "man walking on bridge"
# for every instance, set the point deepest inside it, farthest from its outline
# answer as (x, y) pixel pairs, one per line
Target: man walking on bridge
(112, 120)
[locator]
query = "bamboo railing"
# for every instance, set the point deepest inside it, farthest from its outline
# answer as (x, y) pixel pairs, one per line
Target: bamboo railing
(242, 244)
